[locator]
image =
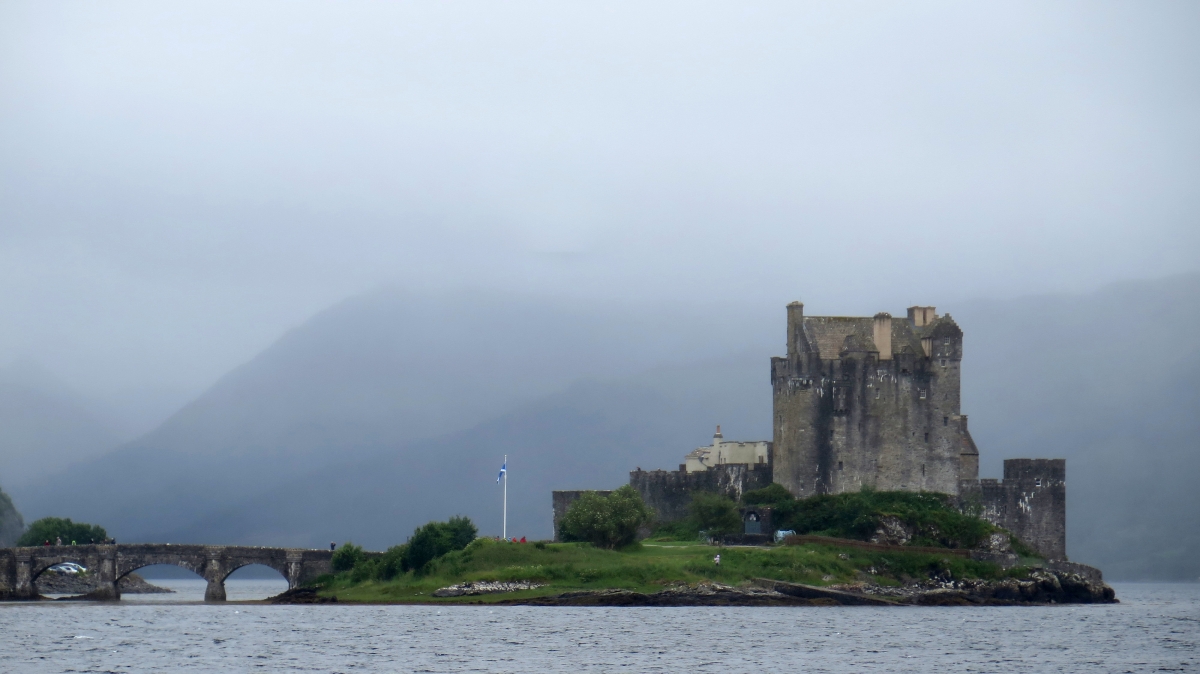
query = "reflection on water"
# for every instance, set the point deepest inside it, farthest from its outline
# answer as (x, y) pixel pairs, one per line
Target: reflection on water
(1155, 628)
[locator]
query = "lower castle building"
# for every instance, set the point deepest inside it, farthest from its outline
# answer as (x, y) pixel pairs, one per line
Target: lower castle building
(868, 402)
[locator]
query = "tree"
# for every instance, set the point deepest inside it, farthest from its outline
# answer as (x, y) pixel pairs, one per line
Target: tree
(435, 539)
(53, 528)
(605, 521)
(715, 513)
(346, 557)
(12, 525)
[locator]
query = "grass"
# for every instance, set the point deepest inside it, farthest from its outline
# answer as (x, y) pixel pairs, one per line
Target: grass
(647, 567)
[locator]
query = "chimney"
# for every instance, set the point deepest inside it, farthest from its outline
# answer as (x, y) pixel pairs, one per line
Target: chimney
(717, 437)
(883, 335)
(795, 319)
(922, 316)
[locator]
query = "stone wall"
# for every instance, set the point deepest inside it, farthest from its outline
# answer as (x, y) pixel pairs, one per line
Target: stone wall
(1031, 502)
(669, 493)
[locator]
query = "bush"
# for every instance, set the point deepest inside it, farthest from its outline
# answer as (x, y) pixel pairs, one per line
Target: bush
(932, 517)
(51, 528)
(715, 514)
(347, 557)
(605, 521)
(435, 539)
(392, 562)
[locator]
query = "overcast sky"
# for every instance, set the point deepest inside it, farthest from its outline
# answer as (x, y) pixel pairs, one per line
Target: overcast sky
(181, 182)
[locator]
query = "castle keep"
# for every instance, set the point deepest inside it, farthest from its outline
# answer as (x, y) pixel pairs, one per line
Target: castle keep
(870, 402)
(867, 402)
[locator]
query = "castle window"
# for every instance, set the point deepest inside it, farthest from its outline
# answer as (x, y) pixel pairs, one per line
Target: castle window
(922, 393)
(926, 437)
(945, 421)
(943, 362)
(1037, 481)
(923, 469)
(877, 394)
(839, 465)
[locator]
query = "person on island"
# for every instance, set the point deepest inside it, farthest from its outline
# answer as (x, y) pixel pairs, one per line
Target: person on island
(58, 540)
(522, 539)
(717, 560)
(332, 546)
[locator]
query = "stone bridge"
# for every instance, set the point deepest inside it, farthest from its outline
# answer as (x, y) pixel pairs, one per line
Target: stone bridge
(20, 567)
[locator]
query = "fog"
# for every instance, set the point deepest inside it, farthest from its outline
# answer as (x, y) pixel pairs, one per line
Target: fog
(183, 186)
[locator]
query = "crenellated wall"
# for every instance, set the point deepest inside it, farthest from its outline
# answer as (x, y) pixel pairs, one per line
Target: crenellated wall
(1031, 502)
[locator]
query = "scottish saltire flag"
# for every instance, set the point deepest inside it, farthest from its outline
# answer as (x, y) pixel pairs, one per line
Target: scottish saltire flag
(503, 470)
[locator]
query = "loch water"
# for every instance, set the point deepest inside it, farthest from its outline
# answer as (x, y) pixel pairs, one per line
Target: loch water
(1155, 628)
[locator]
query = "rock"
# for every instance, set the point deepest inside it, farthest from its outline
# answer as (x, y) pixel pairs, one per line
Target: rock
(700, 594)
(997, 543)
(302, 595)
(53, 582)
(485, 587)
(892, 531)
(1041, 587)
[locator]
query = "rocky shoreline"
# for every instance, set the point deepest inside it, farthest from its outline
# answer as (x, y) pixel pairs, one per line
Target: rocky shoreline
(1043, 587)
(51, 582)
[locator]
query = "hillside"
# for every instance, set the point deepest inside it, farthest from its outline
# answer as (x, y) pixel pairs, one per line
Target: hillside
(381, 374)
(45, 426)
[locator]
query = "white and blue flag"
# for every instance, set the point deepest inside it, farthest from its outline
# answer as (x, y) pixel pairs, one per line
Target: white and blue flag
(503, 470)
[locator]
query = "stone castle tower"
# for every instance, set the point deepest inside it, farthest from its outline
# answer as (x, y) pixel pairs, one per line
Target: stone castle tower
(870, 401)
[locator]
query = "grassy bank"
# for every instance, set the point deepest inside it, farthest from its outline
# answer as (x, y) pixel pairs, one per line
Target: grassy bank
(647, 567)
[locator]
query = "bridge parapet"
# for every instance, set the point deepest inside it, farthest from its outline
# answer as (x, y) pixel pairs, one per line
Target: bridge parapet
(20, 567)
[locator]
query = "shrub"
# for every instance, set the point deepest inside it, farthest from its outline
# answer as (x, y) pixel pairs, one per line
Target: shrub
(679, 530)
(51, 528)
(932, 517)
(435, 539)
(605, 521)
(347, 557)
(714, 513)
(392, 562)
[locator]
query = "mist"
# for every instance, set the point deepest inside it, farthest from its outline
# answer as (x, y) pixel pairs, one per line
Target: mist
(312, 231)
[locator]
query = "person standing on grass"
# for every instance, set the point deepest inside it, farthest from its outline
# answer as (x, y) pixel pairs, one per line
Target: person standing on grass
(717, 560)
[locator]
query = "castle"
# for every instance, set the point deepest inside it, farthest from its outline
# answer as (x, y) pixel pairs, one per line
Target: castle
(868, 402)
(871, 402)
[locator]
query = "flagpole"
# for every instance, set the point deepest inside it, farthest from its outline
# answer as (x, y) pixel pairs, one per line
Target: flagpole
(504, 527)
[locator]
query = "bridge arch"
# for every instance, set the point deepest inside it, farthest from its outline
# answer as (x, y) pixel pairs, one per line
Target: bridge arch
(43, 564)
(19, 567)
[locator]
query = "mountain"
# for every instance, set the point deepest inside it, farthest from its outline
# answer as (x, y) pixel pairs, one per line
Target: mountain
(383, 372)
(1107, 381)
(388, 411)
(45, 426)
(588, 436)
